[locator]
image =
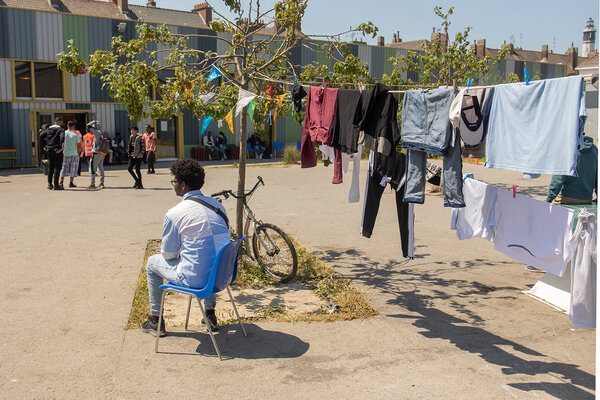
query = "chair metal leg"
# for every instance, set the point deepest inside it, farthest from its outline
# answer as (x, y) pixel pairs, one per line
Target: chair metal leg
(160, 318)
(209, 329)
(236, 311)
(187, 316)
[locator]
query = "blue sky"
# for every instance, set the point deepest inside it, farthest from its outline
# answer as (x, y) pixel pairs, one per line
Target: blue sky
(529, 24)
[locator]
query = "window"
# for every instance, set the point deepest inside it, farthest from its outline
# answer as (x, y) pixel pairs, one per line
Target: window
(48, 81)
(23, 79)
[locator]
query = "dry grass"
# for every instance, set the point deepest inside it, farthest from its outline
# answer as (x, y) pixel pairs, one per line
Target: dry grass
(140, 308)
(312, 272)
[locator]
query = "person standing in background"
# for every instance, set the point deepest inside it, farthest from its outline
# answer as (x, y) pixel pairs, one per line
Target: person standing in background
(88, 145)
(72, 146)
(98, 155)
(150, 142)
(53, 138)
(135, 150)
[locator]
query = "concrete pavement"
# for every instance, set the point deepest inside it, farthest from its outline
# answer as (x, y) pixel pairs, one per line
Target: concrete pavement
(453, 323)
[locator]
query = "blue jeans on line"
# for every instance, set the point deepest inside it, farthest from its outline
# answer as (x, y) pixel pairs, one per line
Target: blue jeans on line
(158, 269)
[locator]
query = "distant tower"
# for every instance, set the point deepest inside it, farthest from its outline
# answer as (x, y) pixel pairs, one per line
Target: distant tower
(589, 38)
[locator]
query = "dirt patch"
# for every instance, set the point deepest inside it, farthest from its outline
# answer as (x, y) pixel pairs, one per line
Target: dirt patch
(294, 300)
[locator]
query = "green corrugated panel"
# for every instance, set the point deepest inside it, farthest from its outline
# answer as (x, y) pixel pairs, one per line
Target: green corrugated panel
(76, 27)
(322, 59)
(187, 150)
(493, 75)
(120, 107)
(388, 67)
(534, 68)
(273, 46)
(293, 131)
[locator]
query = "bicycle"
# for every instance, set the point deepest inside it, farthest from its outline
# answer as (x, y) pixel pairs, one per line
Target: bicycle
(271, 246)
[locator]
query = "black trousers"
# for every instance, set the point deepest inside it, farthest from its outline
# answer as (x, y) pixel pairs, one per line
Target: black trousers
(137, 162)
(55, 164)
(151, 158)
(404, 211)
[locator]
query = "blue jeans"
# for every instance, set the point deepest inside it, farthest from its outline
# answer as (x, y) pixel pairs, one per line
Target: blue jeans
(158, 269)
(416, 168)
(425, 125)
(97, 164)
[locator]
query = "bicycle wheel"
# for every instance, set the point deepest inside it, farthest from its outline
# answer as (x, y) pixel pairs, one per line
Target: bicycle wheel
(275, 252)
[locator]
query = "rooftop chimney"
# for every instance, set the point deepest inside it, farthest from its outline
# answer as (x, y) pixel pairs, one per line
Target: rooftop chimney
(151, 3)
(380, 41)
(204, 10)
(509, 45)
(572, 53)
(443, 39)
(123, 5)
(480, 48)
(544, 52)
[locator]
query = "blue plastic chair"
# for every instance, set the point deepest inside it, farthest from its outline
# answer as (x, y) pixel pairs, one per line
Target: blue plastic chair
(277, 147)
(223, 272)
(249, 148)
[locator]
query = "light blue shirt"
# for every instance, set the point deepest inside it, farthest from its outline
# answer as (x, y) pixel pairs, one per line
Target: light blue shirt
(537, 128)
(70, 146)
(193, 234)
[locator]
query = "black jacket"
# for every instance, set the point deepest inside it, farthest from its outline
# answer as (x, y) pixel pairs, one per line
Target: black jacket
(379, 120)
(53, 138)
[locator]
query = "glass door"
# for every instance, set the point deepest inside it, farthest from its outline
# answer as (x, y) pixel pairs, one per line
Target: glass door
(166, 138)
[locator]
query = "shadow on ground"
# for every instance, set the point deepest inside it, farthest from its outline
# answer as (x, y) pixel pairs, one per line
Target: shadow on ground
(260, 343)
(420, 289)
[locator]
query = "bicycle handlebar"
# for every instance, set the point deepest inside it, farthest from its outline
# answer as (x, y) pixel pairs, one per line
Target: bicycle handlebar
(227, 193)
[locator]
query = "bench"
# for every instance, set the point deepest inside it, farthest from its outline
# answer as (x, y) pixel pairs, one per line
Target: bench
(8, 157)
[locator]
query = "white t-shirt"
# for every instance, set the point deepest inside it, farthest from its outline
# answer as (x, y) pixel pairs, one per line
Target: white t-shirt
(476, 219)
(533, 232)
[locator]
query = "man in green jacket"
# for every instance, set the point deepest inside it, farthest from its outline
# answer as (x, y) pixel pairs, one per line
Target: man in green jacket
(578, 189)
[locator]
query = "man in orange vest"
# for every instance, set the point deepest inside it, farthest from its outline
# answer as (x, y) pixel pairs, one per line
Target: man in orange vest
(88, 144)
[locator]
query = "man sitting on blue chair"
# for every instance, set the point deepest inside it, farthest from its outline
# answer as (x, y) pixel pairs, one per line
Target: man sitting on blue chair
(256, 144)
(193, 233)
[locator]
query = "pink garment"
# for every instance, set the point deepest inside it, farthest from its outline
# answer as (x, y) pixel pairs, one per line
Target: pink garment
(320, 109)
(150, 141)
(338, 176)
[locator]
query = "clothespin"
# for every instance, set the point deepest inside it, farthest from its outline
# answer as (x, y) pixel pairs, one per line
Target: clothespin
(469, 83)
(514, 191)
(295, 80)
(324, 84)
(526, 74)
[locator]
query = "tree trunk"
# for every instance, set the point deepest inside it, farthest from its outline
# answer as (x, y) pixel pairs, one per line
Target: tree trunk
(243, 129)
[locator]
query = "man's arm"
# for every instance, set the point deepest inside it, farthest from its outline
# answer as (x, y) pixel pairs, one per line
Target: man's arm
(171, 240)
(556, 185)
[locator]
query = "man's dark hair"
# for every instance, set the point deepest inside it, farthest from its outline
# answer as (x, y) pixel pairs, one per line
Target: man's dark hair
(117, 133)
(190, 172)
(57, 120)
(135, 128)
(71, 124)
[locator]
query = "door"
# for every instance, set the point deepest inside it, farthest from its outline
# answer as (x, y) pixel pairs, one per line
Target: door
(166, 138)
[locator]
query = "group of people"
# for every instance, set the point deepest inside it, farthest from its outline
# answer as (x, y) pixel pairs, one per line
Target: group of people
(215, 147)
(67, 148)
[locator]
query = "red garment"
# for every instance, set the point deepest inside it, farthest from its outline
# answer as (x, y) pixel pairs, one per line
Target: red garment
(338, 176)
(320, 109)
